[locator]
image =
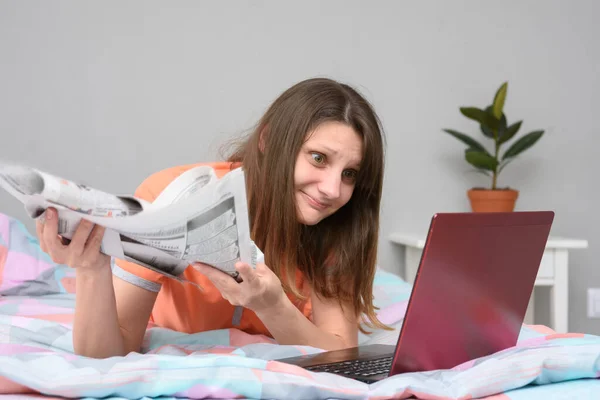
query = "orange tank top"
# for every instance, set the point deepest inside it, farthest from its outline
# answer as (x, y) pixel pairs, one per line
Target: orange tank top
(183, 307)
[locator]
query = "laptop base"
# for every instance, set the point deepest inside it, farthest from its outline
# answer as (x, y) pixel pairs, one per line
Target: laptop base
(369, 363)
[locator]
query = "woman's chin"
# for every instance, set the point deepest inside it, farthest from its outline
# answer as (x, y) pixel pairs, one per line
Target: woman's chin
(309, 218)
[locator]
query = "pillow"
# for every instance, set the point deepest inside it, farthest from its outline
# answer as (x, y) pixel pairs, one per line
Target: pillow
(25, 270)
(389, 289)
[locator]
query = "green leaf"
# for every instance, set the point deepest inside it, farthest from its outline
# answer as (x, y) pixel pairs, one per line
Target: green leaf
(510, 132)
(474, 113)
(501, 125)
(472, 143)
(499, 100)
(523, 144)
(479, 115)
(480, 160)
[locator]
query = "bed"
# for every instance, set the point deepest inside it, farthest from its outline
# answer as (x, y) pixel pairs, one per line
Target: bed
(36, 354)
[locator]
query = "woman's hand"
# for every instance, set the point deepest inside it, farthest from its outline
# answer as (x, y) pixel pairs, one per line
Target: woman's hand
(83, 252)
(259, 290)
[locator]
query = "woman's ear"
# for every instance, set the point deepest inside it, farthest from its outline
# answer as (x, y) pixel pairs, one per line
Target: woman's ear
(261, 139)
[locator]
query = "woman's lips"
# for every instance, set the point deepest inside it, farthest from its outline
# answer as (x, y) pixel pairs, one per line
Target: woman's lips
(315, 203)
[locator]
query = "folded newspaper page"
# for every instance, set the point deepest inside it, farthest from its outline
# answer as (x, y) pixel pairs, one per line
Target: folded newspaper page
(197, 217)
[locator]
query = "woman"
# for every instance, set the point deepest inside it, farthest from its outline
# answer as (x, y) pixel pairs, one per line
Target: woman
(314, 174)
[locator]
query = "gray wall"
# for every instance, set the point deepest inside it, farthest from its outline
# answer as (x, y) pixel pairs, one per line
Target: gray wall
(109, 92)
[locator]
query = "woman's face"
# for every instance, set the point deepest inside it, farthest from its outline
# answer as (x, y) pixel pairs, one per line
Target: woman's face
(326, 170)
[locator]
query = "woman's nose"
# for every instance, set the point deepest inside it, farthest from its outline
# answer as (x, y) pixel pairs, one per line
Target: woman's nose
(330, 185)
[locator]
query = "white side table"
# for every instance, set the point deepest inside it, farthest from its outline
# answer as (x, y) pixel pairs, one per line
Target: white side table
(553, 272)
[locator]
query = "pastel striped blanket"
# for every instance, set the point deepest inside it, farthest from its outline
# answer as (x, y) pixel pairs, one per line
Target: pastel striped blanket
(36, 353)
(36, 357)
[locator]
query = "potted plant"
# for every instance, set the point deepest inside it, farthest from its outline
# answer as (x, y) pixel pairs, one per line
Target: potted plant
(494, 126)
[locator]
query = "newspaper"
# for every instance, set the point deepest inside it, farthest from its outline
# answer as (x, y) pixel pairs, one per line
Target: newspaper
(196, 218)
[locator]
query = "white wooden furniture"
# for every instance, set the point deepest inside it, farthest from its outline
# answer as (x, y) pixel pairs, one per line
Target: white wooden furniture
(553, 272)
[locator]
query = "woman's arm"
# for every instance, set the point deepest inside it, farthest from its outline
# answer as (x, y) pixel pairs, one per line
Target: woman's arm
(333, 327)
(110, 315)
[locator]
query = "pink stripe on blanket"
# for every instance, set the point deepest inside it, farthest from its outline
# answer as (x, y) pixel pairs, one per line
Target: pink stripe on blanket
(429, 396)
(278, 366)
(191, 349)
(392, 313)
(239, 338)
(3, 255)
(541, 329)
(408, 393)
(7, 349)
(258, 373)
(537, 341)
(24, 268)
(31, 306)
(4, 228)
(25, 322)
(205, 391)
(9, 387)
(501, 396)
(565, 336)
(63, 319)
(68, 283)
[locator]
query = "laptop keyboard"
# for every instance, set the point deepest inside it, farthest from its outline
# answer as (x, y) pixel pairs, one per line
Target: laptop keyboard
(362, 368)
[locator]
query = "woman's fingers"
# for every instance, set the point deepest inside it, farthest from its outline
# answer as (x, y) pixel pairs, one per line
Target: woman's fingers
(80, 237)
(225, 283)
(39, 229)
(81, 251)
(50, 233)
(94, 241)
(247, 273)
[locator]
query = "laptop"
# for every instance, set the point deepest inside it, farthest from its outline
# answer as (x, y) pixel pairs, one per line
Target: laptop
(469, 297)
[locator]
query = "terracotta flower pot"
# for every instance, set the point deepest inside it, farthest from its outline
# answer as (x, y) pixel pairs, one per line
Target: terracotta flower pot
(487, 200)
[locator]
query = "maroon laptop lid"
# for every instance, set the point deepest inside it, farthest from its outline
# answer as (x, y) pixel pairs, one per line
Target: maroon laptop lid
(472, 288)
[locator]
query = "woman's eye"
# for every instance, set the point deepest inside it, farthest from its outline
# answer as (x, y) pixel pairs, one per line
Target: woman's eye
(318, 158)
(350, 174)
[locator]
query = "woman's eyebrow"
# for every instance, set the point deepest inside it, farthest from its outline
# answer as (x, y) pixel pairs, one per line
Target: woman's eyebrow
(329, 150)
(354, 163)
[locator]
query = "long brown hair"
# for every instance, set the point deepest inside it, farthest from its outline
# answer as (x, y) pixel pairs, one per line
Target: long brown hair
(338, 255)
